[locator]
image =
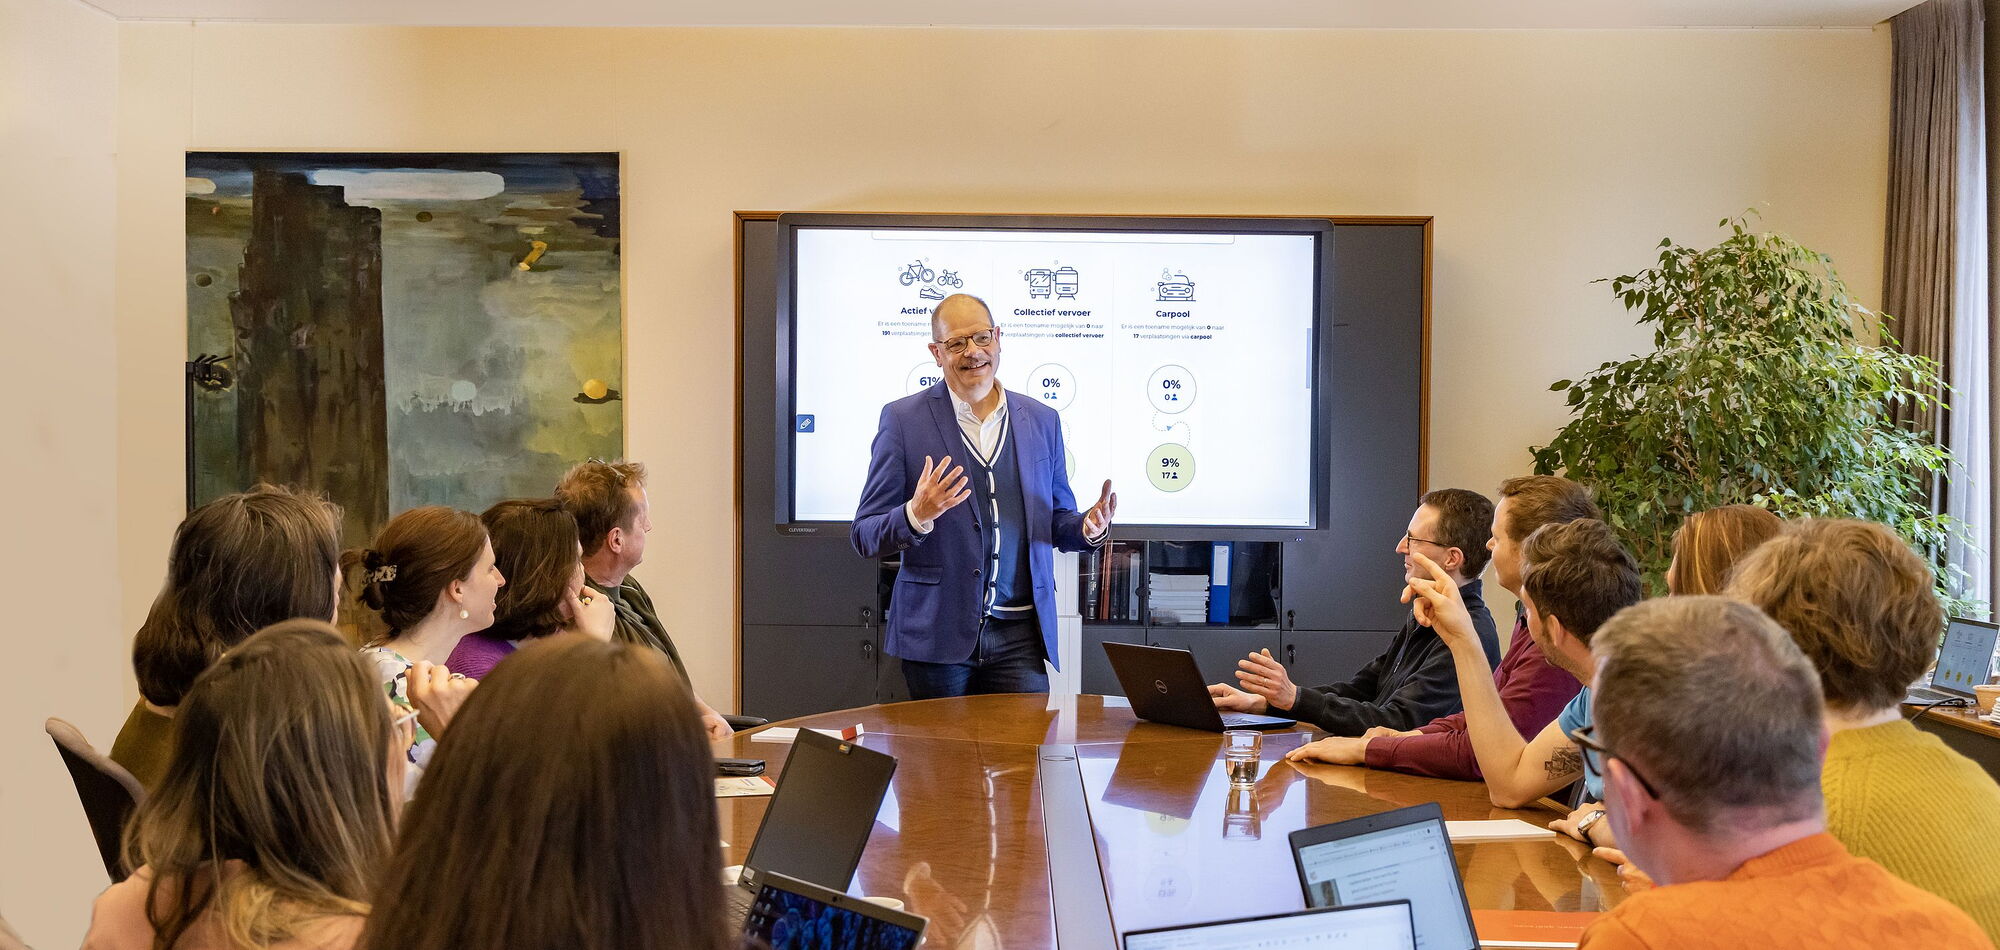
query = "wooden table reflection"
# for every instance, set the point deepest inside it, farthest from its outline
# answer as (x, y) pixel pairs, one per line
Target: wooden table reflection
(961, 837)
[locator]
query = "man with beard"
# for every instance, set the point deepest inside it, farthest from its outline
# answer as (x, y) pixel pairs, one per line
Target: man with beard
(966, 481)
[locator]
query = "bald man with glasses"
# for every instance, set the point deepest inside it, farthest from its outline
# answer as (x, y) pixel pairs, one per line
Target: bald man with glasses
(967, 482)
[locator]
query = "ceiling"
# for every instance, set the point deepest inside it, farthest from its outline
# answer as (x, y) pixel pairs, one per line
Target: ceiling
(1061, 14)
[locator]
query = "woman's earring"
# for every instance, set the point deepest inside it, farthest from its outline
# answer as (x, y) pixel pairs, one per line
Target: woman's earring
(464, 614)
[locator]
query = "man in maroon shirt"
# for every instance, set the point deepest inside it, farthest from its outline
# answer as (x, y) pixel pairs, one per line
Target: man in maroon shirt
(1533, 689)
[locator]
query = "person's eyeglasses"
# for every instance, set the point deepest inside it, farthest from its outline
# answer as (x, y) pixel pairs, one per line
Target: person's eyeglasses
(1413, 539)
(982, 339)
(1596, 753)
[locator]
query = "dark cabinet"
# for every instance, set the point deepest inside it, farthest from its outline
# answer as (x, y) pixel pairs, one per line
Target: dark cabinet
(810, 669)
(1319, 657)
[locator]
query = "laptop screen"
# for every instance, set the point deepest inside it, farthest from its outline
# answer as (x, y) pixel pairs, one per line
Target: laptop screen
(1966, 657)
(1407, 862)
(1373, 927)
(822, 812)
(780, 919)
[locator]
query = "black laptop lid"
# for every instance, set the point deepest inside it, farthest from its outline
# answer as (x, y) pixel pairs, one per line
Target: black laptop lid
(1163, 685)
(821, 813)
(1395, 855)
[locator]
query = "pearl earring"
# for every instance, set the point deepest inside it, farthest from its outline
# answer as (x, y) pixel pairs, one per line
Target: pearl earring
(464, 614)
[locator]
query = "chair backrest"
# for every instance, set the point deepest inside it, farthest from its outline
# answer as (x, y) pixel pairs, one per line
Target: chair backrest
(108, 792)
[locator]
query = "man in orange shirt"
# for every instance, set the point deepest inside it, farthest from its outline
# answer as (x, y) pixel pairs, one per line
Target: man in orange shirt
(1708, 732)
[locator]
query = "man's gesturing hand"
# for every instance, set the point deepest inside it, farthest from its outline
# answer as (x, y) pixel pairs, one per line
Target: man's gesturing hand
(1098, 519)
(1434, 598)
(939, 489)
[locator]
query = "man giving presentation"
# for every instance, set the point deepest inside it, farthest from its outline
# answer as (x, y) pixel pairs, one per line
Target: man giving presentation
(966, 480)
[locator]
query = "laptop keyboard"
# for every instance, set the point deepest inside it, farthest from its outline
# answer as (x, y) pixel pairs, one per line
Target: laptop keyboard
(1243, 719)
(739, 899)
(1925, 694)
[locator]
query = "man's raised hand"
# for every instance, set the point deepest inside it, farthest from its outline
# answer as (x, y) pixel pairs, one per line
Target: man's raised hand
(1097, 520)
(940, 488)
(1434, 599)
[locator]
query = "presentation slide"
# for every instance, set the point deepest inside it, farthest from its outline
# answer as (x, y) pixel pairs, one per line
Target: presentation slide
(1410, 863)
(1180, 363)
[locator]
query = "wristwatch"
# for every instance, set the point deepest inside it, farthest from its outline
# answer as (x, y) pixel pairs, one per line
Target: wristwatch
(1584, 824)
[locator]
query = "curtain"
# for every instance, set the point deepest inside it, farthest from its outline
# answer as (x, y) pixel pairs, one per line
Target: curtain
(1936, 281)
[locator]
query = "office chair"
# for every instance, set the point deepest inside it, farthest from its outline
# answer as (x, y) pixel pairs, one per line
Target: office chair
(108, 792)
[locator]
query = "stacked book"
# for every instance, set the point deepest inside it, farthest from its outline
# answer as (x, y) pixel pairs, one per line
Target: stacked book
(1177, 598)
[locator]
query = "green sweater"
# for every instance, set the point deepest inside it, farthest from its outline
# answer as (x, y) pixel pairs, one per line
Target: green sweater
(639, 623)
(1931, 816)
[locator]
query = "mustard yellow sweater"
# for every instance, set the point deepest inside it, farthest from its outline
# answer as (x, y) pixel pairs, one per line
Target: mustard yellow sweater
(1899, 796)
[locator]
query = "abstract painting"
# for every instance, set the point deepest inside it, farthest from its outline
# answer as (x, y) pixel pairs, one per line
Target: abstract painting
(402, 329)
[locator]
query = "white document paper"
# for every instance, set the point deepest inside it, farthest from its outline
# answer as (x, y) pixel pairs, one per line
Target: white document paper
(1499, 829)
(791, 733)
(744, 786)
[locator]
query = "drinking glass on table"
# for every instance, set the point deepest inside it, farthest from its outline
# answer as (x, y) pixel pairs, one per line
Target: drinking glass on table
(1240, 749)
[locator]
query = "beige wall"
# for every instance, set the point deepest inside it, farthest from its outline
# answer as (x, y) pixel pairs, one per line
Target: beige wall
(1548, 158)
(64, 653)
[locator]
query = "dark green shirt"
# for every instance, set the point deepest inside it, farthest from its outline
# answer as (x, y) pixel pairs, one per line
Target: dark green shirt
(639, 623)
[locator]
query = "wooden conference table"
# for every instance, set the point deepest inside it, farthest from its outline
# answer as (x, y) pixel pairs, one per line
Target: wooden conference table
(1011, 824)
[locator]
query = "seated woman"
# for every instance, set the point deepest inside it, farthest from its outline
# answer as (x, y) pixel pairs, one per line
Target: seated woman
(432, 578)
(1705, 547)
(535, 544)
(571, 806)
(1863, 608)
(238, 563)
(275, 815)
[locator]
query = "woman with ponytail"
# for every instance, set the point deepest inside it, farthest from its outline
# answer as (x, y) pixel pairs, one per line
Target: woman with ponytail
(432, 578)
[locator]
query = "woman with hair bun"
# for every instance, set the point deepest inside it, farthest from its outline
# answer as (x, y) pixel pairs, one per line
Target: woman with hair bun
(432, 577)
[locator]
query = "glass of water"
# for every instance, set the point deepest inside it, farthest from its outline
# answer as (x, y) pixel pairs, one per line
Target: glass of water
(1241, 749)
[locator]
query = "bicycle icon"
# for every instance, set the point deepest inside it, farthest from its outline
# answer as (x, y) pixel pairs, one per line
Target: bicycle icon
(916, 271)
(950, 279)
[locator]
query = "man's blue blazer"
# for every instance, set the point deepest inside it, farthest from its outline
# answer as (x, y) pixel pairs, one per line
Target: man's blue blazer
(935, 608)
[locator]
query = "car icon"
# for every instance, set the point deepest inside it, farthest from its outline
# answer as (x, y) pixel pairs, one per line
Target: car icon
(1176, 288)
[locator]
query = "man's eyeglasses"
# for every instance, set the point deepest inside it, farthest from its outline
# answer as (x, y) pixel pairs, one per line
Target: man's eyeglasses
(1596, 753)
(982, 339)
(1413, 539)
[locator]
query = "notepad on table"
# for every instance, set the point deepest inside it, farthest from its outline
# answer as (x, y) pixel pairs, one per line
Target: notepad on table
(1499, 829)
(748, 786)
(789, 734)
(1530, 928)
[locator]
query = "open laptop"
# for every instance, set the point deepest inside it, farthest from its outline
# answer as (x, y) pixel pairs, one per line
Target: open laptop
(1396, 855)
(819, 817)
(1964, 661)
(1383, 926)
(792, 913)
(1165, 686)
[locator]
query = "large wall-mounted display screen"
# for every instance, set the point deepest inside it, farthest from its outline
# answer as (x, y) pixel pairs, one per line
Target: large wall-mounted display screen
(1182, 355)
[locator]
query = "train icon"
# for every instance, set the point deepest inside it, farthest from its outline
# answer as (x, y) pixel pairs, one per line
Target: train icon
(1060, 281)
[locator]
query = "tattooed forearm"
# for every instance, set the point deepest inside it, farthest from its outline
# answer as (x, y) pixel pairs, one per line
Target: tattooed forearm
(1563, 762)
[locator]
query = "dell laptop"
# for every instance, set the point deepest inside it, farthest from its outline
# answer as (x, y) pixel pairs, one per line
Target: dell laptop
(1964, 661)
(819, 817)
(1396, 855)
(1165, 686)
(1384, 926)
(792, 913)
